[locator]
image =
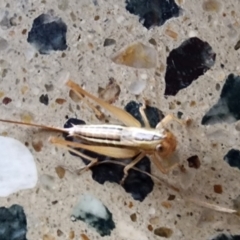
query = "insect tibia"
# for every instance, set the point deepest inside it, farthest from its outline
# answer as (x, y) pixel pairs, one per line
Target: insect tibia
(55, 129)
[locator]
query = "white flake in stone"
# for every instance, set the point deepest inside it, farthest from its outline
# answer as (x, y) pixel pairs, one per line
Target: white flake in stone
(17, 167)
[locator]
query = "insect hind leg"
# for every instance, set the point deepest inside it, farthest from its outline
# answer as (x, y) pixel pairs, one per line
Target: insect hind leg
(96, 111)
(93, 161)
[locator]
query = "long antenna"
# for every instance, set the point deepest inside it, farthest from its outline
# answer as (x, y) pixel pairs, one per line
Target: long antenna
(56, 129)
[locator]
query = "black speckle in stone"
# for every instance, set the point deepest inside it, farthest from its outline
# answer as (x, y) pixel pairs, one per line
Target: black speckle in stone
(13, 223)
(109, 42)
(112, 172)
(186, 63)
(224, 236)
(70, 122)
(103, 226)
(136, 179)
(73, 121)
(227, 109)
(48, 33)
(179, 114)
(153, 12)
(106, 172)
(153, 114)
(233, 158)
(44, 99)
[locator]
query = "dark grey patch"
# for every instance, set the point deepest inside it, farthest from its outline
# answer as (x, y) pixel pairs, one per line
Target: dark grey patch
(227, 109)
(233, 158)
(112, 172)
(3, 45)
(236, 204)
(48, 33)
(48, 87)
(95, 2)
(153, 12)
(237, 46)
(87, 210)
(217, 87)
(8, 21)
(13, 223)
(44, 99)
(186, 63)
(224, 236)
(152, 41)
(5, 22)
(163, 232)
(109, 42)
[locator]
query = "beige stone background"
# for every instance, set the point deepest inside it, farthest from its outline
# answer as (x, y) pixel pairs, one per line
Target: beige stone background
(87, 62)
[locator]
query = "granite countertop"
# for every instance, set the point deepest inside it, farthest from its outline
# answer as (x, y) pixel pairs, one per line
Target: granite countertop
(178, 58)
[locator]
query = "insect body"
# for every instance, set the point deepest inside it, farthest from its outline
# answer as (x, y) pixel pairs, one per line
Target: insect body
(129, 137)
(116, 141)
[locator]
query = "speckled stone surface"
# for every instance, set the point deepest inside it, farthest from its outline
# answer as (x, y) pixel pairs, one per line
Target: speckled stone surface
(32, 88)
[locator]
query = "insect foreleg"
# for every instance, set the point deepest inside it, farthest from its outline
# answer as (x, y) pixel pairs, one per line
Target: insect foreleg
(131, 165)
(170, 118)
(163, 169)
(144, 117)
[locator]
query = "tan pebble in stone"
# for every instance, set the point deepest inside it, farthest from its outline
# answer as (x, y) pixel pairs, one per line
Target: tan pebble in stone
(137, 55)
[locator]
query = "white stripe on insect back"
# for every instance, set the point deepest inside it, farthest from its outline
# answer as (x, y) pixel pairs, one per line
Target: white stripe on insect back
(100, 131)
(142, 134)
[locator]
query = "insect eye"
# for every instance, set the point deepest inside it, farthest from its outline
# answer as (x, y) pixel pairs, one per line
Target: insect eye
(159, 148)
